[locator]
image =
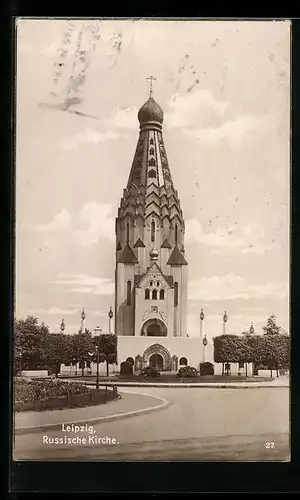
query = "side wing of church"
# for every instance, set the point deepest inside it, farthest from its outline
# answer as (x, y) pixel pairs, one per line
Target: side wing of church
(151, 267)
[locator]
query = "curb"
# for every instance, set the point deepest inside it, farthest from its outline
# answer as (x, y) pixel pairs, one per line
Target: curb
(195, 385)
(30, 430)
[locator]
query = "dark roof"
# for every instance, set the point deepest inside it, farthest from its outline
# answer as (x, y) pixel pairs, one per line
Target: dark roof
(137, 279)
(139, 244)
(127, 256)
(176, 258)
(119, 246)
(166, 244)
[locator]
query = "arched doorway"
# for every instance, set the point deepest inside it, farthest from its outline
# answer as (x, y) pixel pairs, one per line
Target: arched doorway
(158, 356)
(156, 361)
(154, 327)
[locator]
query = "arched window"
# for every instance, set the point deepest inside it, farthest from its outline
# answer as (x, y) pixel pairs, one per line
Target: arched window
(128, 293)
(152, 173)
(127, 232)
(176, 233)
(147, 294)
(183, 361)
(157, 283)
(153, 231)
(176, 294)
(151, 141)
(151, 151)
(151, 283)
(152, 162)
(154, 295)
(162, 294)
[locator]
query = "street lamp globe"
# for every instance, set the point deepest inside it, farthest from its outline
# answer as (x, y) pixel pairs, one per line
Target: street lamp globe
(251, 329)
(110, 313)
(202, 315)
(62, 325)
(205, 342)
(82, 315)
(225, 317)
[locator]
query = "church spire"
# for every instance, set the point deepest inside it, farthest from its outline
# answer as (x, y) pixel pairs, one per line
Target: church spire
(150, 208)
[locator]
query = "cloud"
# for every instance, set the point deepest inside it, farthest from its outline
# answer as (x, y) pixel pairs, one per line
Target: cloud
(60, 221)
(232, 287)
(191, 109)
(57, 311)
(240, 128)
(125, 118)
(83, 283)
(247, 242)
(99, 221)
(89, 135)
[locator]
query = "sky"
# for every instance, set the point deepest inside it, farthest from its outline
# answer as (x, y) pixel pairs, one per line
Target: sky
(225, 90)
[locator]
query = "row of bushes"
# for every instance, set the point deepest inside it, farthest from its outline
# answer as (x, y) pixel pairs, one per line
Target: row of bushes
(36, 395)
(183, 372)
(32, 389)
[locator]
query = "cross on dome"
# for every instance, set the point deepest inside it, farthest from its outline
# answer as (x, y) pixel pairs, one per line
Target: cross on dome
(151, 78)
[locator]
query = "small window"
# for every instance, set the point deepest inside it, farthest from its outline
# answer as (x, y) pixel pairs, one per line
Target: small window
(151, 151)
(176, 233)
(153, 231)
(127, 232)
(147, 294)
(154, 309)
(152, 173)
(151, 283)
(152, 162)
(157, 283)
(162, 295)
(151, 141)
(154, 295)
(176, 294)
(183, 361)
(129, 293)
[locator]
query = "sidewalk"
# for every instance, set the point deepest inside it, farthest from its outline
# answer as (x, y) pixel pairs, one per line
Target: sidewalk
(130, 404)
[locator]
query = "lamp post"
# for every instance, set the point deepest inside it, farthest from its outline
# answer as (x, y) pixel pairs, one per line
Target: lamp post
(62, 326)
(225, 319)
(110, 316)
(82, 321)
(205, 342)
(97, 331)
(251, 329)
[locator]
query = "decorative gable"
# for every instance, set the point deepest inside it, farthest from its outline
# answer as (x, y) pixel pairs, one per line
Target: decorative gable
(155, 273)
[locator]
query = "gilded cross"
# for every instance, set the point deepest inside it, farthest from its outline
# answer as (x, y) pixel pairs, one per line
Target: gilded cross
(151, 78)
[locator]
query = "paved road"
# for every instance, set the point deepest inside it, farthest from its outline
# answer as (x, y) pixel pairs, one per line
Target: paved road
(199, 424)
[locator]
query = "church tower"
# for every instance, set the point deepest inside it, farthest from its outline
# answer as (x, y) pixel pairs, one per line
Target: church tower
(151, 269)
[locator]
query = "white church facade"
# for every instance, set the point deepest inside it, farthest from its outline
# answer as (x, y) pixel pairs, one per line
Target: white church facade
(151, 267)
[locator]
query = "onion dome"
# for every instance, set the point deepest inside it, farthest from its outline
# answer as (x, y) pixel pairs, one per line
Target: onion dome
(154, 254)
(150, 112)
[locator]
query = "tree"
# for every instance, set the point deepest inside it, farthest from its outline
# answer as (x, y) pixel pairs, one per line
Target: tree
(29, 340)
(57, 350)
(81, 345)
(230, 349)
(271, 328)
(107, 344)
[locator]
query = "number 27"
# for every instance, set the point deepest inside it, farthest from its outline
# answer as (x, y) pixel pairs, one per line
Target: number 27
(269, 444)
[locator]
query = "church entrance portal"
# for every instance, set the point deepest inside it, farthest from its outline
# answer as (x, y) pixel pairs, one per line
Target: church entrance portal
(156, 361)
(154, 328)
(157, 356)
